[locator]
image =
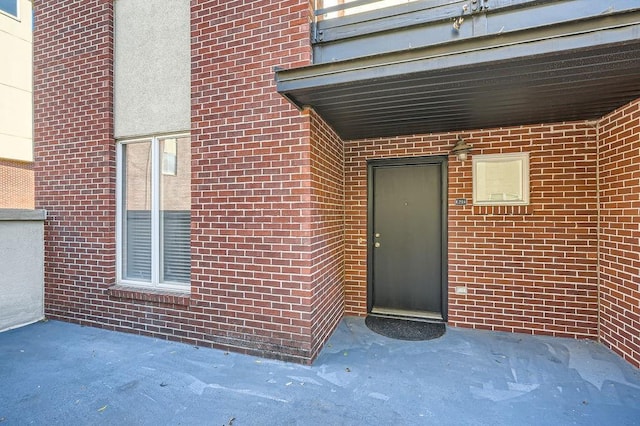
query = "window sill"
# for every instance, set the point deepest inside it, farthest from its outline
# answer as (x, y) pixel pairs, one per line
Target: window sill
(166, 297)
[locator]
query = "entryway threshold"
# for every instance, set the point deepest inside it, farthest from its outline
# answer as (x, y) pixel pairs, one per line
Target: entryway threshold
(406, 314)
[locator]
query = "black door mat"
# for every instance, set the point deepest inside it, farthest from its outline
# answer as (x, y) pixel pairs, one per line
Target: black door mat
(404, 329)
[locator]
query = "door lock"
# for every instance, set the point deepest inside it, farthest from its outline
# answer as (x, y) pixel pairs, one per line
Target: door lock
(377, 235)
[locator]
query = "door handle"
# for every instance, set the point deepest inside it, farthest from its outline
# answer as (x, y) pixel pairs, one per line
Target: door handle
(377, 244)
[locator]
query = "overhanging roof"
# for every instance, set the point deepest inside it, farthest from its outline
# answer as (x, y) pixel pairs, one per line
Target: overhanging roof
(574, 72)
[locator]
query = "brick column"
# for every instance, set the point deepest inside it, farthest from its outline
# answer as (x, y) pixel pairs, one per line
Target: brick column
(251, 224)
(75, 152)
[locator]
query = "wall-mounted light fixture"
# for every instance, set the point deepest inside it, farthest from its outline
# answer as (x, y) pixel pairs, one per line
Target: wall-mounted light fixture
(461, 150)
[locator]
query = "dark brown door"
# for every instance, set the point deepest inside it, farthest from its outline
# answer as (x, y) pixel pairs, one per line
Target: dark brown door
(407, 238)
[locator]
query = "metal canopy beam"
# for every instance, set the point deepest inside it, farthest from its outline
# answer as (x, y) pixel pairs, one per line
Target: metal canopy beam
(578, 70)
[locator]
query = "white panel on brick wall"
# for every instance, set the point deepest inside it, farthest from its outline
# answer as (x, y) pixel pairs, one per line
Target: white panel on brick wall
(152, 67)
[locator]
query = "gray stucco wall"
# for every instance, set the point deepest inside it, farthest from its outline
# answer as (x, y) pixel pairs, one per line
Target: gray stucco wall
(152, 67)
(21, 267)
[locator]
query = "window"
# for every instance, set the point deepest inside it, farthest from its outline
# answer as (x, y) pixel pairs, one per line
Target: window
(10, 7)
(170, 157)
(501, 179)
(154, 213)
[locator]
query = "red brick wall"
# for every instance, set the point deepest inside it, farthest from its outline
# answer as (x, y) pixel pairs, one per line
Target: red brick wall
(16, 185)
(267, 192)
(619, 167)
(74, 153)
(327, 230)
(251, 188)
(527, 269)
(252, 232)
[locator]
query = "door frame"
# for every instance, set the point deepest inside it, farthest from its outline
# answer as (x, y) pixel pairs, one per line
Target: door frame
(442, 160)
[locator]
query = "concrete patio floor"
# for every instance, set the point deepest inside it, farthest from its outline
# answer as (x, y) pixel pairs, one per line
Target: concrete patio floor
(57, 373)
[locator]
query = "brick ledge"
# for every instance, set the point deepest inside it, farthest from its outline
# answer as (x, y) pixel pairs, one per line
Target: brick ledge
(508, 210)
(169, 297)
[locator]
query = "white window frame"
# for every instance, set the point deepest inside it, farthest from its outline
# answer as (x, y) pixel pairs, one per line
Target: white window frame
(16, 16)
(156, 166)
(522, 178)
